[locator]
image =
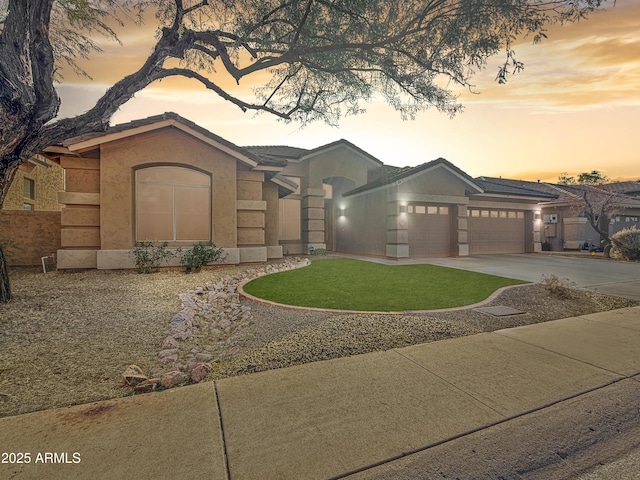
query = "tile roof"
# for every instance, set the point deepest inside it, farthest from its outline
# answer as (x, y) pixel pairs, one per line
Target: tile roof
(628, 188)
(558, 194)
(516, 187)
(279, 153)
(276, 154)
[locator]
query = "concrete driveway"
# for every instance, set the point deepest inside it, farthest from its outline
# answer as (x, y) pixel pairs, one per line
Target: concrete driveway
(603, 276)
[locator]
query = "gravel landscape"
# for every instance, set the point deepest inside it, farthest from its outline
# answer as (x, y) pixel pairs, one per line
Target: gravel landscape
(67, 337)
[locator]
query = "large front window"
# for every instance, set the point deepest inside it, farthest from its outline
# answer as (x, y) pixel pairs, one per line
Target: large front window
(173, 204)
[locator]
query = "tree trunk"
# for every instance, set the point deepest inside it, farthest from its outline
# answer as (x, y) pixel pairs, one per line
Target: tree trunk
(7, 173)
(5, 288)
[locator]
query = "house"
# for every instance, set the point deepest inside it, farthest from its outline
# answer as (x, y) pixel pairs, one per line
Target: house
(566, 228)
(36, 186)
(164, 178)
(30, 217)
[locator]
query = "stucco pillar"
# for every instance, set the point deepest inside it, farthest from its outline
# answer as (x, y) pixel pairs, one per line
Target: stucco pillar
(81, 236)
(313, 218)
(461, 236)
(533, 235)
(397, 230)
(270, 197)
(251, 210)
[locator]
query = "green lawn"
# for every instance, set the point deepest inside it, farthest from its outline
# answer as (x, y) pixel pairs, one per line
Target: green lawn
(358, 285)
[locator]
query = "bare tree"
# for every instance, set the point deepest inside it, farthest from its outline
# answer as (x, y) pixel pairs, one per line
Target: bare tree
(323, 57)
(594, 201)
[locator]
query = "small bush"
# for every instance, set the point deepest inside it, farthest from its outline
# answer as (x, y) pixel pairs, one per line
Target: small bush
(557, 287)
(199, 255)
(319, 252)
(148, 256)
(626, 244)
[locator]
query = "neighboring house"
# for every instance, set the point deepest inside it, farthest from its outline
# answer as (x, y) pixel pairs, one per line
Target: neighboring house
(36, 186)
(164, 178)
(563, 226)
(30, 217)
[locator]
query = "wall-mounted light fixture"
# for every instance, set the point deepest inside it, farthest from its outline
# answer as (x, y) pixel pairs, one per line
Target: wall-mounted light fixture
(342, 211)
(403, 208)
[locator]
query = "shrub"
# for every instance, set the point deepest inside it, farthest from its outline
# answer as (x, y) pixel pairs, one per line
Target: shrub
(557, 287)
(626, 244)
(148, 256)
(199, 255)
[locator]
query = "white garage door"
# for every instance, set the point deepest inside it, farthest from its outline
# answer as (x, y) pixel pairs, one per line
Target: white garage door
(429, 231)
(496, 231)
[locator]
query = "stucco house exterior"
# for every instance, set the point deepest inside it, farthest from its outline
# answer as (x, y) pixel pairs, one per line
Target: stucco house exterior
(563, 226)
(164, 178)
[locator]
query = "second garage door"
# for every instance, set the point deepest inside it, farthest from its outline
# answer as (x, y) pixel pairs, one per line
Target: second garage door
(496, 231)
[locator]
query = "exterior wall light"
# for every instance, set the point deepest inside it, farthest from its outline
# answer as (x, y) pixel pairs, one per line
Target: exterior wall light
(342, 211)
(403, 208)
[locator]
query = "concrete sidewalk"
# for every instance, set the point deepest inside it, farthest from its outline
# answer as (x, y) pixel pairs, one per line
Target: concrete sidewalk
(335, 418)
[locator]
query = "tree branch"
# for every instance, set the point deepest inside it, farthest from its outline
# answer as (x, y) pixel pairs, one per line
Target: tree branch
(244, 106)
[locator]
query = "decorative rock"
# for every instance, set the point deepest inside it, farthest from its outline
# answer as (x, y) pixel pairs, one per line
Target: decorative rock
(183, 335)
(170, 343)
(179, 328)
(148, 386)
(187, 301)
(172, 379)
(200, 371)
(210, 314)
(169, 355)
(183, 317)
(133, 375)
(168, 352)
(203, 357)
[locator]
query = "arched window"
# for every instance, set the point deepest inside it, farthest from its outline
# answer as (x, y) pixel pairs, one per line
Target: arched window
(172, 204)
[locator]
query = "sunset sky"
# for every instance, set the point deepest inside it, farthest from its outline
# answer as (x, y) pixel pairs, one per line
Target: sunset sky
(575, 107)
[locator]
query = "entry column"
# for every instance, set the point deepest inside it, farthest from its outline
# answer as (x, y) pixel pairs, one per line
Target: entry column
(313, 218)
(461, 233)
(397, 230)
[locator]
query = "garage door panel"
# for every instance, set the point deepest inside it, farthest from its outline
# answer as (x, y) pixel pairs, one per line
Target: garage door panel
(429, 234)
(496, 235)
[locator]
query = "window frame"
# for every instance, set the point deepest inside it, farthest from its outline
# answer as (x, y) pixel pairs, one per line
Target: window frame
(174, 185)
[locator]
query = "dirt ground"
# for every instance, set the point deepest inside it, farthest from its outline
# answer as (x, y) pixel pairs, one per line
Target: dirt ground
(66, 337)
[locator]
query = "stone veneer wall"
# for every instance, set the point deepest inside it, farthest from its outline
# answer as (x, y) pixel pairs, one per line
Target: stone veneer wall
(29, 235)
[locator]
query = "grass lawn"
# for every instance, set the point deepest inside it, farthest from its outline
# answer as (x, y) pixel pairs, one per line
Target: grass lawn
(358, 285)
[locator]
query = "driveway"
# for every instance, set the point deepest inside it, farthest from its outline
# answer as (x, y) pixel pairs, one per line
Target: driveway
(603, 276)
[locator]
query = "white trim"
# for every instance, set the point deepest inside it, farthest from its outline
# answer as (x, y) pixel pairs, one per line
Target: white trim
(284, 184)
(40, 160)
(268, 168)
